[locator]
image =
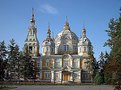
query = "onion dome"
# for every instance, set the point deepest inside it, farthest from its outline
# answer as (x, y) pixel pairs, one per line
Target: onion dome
(84, 40)
(48, 40)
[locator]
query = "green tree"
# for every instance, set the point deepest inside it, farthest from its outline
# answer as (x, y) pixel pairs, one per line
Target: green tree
(98, 78)
(101, 61)
(101, 64)
(13, 60)
(3, 60)
(106, 57)
(114, 42)
(92, 67)
(107, 75)
(28, 66)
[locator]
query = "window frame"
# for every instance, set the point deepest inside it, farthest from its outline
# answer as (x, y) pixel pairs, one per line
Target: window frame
(47, 63)
(47, 75)
(66, 48)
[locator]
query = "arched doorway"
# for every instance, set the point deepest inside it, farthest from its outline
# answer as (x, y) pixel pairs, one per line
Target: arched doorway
(67, 65)
(66, 76)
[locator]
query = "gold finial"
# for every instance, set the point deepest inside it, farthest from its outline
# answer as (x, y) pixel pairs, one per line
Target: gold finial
(33, 14)
(67, 21)
(49, 31)
(84, 31)
(66, 26)
(32, 21)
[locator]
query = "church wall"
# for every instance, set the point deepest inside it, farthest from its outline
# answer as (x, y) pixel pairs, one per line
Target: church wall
(63, 58)
(56, 75)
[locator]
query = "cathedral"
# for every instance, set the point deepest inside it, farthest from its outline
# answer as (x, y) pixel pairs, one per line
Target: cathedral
(63, 59)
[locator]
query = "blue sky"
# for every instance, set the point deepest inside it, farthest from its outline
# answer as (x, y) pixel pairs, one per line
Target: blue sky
(93, 14)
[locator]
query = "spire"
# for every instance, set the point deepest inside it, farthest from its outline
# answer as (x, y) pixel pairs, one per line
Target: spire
(32, 14)
(49, 31)
(32, 21)
(66, 26)
(67, 21)
(84, 32)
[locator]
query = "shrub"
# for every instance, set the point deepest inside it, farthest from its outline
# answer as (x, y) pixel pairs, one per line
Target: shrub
(98, 79)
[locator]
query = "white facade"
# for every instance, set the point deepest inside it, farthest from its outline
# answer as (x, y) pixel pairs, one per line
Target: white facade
(68, 62)
(64, 59)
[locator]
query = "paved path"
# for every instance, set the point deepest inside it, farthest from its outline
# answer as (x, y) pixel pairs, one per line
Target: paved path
(98, 87)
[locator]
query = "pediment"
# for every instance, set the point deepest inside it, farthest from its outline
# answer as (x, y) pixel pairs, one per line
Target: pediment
(67, 68)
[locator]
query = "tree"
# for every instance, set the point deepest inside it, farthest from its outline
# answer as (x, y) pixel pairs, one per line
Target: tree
(28, 66)
(13, 60)
(3, 60)
(114, 42)
(101, 64)
(107, 75)
(101, 61)
(91, 66)
(106, 57)
(98, 78)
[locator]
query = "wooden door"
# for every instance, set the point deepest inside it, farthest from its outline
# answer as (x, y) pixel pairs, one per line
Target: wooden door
(65, 76)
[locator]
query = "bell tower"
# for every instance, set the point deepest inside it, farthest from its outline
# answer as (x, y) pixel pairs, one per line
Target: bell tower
(31, 42)
(84, 45)
(48, 44)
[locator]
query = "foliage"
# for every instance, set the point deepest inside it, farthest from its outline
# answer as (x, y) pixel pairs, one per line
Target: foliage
(28, 66)
(101, 64)
(16, 64)
(114, 42)
(13, 59)
(91, 66)
(3, 60)
(98, 79)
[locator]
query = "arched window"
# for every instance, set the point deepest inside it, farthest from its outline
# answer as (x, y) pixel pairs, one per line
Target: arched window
(30, 39)
(30, 48)
(85, 49)
(47, 75)
(75, 64)
(57, 63)
(47, 49)
(47, 62)
(74, 48)
(52, 50)
(65, 62)
(33, 39)
(66, 47)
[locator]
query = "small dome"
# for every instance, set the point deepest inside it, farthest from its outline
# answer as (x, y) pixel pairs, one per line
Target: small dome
(84, 41)
(48, 41)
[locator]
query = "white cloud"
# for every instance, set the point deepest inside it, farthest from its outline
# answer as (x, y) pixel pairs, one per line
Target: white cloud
(47, 8)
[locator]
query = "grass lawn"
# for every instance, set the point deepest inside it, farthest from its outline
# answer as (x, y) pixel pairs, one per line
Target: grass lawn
(6, 87)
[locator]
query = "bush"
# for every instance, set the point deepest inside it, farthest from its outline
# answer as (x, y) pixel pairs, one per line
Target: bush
(98, 79)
